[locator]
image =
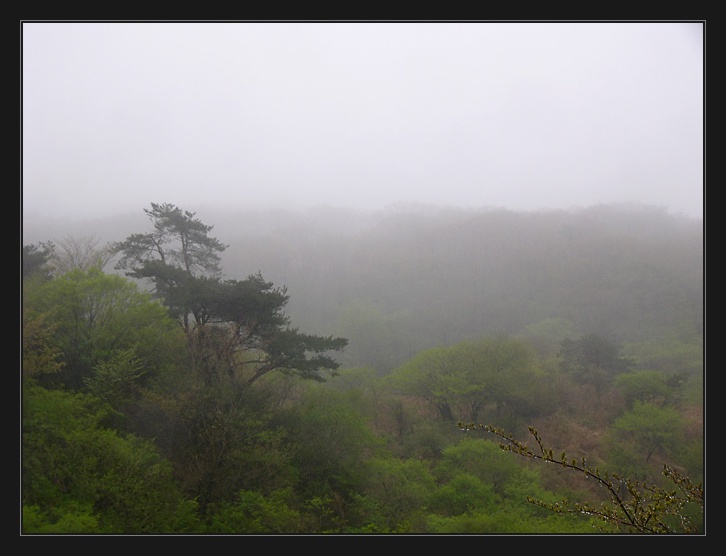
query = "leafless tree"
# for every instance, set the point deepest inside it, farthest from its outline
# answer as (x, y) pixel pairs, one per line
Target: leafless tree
(79, 252)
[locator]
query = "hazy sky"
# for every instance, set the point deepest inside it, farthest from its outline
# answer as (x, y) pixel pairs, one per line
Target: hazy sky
(365, 115)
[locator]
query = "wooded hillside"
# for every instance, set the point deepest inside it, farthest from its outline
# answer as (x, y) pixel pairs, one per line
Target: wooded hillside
(181, 400)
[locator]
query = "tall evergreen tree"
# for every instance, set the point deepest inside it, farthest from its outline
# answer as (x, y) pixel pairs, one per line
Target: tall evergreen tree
(237, 328)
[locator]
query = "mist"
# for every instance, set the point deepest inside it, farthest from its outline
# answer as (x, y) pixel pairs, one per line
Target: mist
(359, 116)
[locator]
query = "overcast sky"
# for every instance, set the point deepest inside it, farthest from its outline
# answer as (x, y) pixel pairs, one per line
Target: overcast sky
(525, 116)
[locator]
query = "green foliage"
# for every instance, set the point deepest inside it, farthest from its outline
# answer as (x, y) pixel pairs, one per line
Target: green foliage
(180, 259)
(649, 429)
(79, 476)
(179, 240)
(505, 521)
(35, 259)
(689, 456)
(245, 333)
(255, 513)
(194, 449)
(93, 315)
(220, 440)
(39, 354)
(117, 380)
(394, 491)
(330, 434)
(255, 305)
(480, 491)
(591, 353)
(647, 386)
(671, 354)
(464, 493)
(232, 326)
(594, 360)
(635, 506)
(72, 517)
(425, 439)
(331, 443)
(460, 381)
(480, 458)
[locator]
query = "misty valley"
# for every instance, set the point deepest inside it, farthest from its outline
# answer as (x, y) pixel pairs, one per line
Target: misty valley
(418, 370)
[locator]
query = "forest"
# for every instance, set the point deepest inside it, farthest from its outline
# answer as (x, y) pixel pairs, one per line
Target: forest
(420, 370)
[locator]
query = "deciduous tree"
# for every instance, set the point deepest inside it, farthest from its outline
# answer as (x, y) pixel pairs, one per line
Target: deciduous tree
(82, 253)
(92, 315)
(592, 359)
(461, 380)
(81, 477)
(634, 507)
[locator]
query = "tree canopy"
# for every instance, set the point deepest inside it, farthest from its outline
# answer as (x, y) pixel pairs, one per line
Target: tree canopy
(138, 416)
(233, 327)
(461, 379)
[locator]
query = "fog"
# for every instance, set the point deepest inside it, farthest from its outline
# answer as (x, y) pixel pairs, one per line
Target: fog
(525, 116)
